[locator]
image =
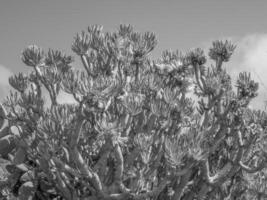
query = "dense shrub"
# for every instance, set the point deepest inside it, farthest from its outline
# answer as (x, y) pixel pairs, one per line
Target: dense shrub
(171, 128)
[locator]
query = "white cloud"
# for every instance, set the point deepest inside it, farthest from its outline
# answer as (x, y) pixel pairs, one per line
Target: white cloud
(251, 56)
(64, 97)
(5, 73)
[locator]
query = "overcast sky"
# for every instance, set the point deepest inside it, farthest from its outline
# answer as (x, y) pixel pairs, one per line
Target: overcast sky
(178, 24)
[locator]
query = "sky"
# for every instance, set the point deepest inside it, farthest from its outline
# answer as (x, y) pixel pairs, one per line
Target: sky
(180, 24)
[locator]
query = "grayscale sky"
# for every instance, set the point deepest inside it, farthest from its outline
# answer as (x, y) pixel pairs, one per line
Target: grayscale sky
(180, 24)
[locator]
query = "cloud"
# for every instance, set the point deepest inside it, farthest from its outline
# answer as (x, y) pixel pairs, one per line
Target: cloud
(64, 97)
(5, 73)
(251, 56)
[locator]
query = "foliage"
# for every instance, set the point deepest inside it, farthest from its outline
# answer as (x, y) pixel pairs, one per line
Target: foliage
(136, 130)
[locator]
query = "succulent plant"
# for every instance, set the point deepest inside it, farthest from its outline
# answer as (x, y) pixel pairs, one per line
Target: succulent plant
(135, 129)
